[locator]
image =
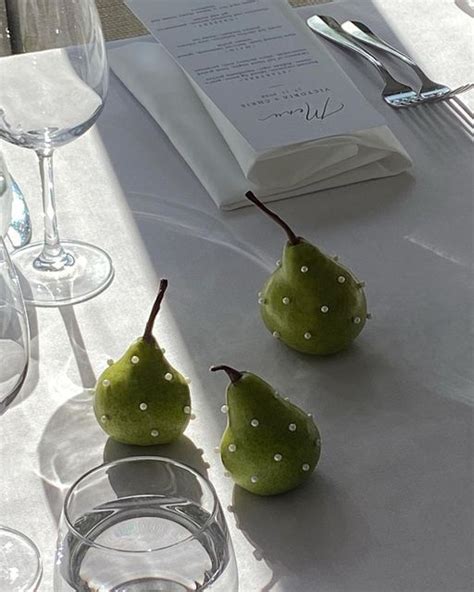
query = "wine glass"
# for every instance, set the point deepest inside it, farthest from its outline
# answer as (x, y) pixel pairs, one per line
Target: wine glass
(14, 329)
(20, 564)
(144, 524)
(52, 90)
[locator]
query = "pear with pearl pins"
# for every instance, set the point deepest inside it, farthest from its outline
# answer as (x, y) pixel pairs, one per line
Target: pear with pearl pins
(270, 446)
(141, 399)
(311, 302)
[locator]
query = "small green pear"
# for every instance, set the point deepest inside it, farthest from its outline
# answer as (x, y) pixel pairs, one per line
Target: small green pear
(311, 302)
(141, 399)
(270, 445)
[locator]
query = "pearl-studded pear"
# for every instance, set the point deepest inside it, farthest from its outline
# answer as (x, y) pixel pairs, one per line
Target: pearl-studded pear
(274, 455)
(313, 303)
(141, 399)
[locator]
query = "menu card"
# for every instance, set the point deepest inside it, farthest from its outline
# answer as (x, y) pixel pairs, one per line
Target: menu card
(275, 84)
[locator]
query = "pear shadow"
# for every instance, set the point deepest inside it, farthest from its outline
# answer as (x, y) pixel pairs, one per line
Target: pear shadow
(128, 480)
(70, 445)
(73, 425)
(307, 530)
(182, 450)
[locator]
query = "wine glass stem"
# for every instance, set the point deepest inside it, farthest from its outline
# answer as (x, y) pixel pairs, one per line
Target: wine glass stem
(53, 257)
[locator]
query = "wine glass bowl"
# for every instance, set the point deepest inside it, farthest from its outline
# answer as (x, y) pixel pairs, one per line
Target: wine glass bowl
(144, 524)
(20, 564)
(14, 328)
(52, 90)
(14, 338)
(55, 89)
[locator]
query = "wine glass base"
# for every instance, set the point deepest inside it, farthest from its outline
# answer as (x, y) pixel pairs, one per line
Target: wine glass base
(91, 273)
(20, 563)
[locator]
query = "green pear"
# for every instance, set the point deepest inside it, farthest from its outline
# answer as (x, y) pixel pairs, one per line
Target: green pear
(311, 302)
(270, 445)
(141, 399)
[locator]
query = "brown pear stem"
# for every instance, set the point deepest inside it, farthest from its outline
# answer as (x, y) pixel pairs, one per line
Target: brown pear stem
(292, 238)
(148, 335)
(234, 375)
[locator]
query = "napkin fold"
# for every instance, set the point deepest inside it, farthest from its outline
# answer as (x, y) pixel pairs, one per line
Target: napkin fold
(227, 166)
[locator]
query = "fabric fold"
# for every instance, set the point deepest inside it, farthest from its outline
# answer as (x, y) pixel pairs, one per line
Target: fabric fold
(226, 166)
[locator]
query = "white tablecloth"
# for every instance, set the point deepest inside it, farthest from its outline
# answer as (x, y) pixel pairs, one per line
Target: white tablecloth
(390, 506)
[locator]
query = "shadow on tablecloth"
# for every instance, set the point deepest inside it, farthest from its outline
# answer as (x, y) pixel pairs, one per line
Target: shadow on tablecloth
(72, 443)
(313, 527)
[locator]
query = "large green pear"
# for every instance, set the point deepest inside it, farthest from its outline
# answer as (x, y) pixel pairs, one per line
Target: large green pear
(141, 399)
(270, 445)
(311, 302)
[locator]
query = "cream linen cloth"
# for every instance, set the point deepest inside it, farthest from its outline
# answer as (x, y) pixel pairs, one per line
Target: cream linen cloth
(224, 163)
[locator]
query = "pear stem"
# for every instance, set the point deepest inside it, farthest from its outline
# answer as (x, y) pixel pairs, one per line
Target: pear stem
(234, 375)
(148, 335)
(292, 238)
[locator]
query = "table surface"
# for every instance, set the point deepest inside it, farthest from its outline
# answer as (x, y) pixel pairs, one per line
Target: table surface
(389, 508)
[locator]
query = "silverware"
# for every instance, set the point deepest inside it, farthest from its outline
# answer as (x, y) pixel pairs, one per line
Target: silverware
(19, 232)
(430, 91)
(395, 93)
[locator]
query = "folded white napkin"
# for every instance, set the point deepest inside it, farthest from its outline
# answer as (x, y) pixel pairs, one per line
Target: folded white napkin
(226, 166)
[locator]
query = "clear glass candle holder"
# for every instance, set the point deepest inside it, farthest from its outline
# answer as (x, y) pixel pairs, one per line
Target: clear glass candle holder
(144, 524)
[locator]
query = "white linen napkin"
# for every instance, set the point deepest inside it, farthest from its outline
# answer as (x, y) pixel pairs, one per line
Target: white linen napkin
(227, 167)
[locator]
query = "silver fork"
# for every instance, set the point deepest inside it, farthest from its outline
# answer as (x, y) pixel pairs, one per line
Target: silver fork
(395, 93)
(430, 91)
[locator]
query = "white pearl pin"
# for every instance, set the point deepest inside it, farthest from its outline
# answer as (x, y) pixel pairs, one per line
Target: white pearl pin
(168, 376)
(292, 427)
(277, 457)
(135, 360)
(254, 423)
(143, 406)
